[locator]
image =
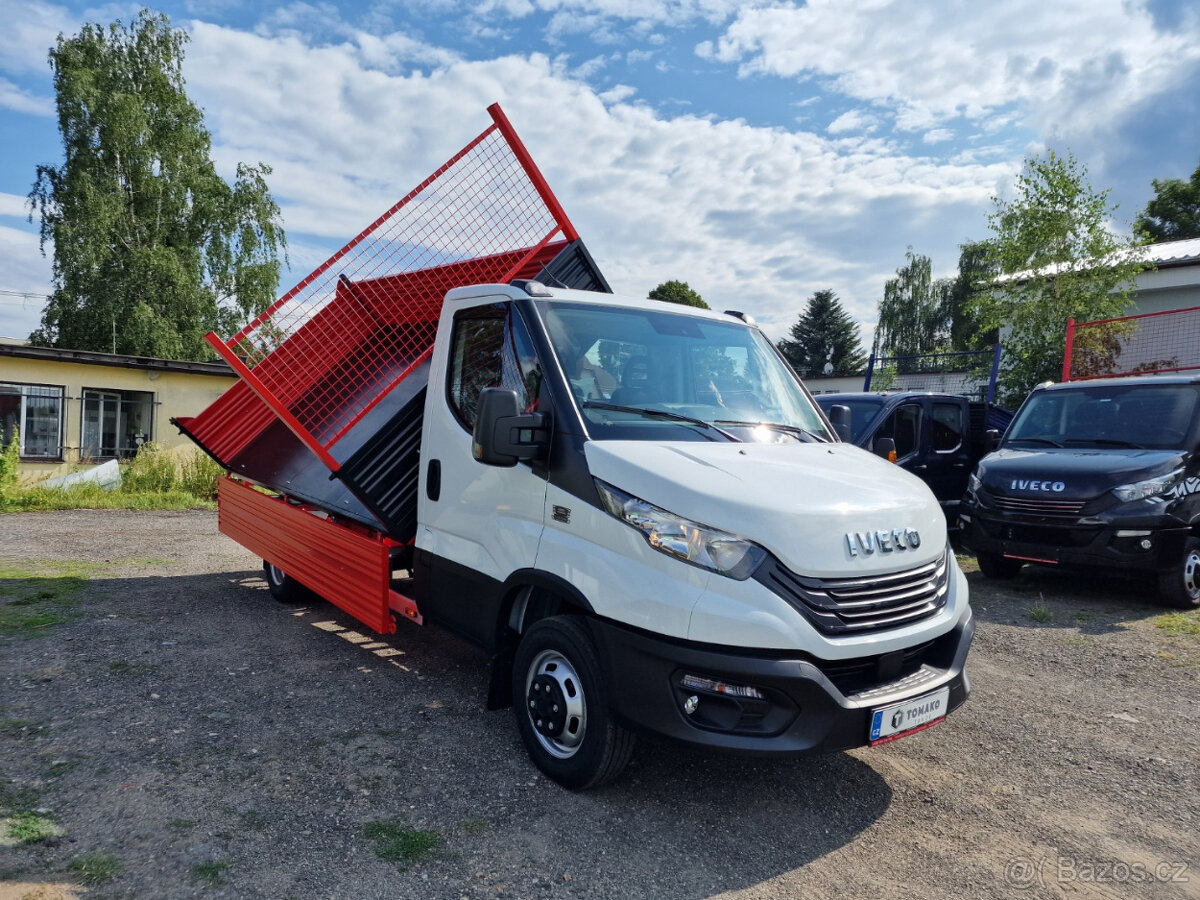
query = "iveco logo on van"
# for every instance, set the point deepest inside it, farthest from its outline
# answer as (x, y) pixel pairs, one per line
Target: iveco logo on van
(1056, 486)
(867, 542)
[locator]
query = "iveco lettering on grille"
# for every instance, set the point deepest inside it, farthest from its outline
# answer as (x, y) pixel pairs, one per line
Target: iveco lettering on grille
(1057, 486)
(867, 542)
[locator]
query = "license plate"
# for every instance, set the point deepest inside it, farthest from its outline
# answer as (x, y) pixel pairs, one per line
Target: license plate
(895, 721)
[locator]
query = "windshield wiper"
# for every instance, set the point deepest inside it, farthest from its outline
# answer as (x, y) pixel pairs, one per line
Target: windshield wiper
(662, 414)
(1114, 442)
(794, 430)
(1037, 440)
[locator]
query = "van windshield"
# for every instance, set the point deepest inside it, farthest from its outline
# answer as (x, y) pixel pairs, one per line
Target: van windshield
(1150, 416)
(648, 374)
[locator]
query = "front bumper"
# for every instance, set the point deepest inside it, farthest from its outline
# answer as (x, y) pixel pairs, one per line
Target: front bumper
(1090, 542)
(808, 705)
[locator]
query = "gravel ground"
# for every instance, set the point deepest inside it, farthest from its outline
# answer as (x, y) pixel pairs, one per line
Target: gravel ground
(214, 743)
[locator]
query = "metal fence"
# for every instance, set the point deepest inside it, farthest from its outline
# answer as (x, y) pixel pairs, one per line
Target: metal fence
(971, 373)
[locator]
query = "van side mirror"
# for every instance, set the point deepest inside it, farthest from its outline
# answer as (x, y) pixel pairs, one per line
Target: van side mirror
(993, 438)
(885, 447)
(503, 434)
(839, 417)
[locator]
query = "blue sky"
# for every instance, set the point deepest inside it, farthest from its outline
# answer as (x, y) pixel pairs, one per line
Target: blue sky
(760, 151)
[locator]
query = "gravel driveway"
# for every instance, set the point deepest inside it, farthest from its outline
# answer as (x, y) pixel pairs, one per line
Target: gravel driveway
(191, 737)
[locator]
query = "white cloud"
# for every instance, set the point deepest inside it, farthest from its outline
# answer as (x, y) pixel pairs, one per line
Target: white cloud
(1070, 63)
(25, 279)
(754, 218)
(853, 120)
(14, 98)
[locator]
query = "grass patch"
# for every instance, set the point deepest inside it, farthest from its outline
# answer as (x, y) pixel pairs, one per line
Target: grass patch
(210, 873)
(26, 827)
(181, 824)
(1180, 623)
(39, 595)
(395, 842)
(95, 868)
(86, 496)
(1040, 614)
(474, 826)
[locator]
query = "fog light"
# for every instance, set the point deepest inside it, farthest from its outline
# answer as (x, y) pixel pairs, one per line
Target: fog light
(690, 704)
(700, 683)
(1146, 545)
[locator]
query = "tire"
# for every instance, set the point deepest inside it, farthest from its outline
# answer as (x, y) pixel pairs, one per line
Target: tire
(993, 565)
(1180, 587)
(561, 703)
(283, 587)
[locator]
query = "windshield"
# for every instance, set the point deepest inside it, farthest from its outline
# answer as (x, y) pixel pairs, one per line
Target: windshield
(1151, 416)
(862, 410)
(649, 374)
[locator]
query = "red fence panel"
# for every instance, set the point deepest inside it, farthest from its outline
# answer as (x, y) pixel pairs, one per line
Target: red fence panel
(1146, 344)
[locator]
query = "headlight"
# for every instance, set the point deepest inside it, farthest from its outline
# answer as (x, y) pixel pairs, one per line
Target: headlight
(682, 538)
(973, 483)
(1152, 487)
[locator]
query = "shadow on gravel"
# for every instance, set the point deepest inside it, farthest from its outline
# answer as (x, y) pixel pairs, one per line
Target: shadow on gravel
(178, 722)
(1047, 596)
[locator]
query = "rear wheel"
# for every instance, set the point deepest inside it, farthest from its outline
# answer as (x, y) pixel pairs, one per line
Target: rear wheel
(561, 703)
(282, 586)
(993, 565)
(1181, 585)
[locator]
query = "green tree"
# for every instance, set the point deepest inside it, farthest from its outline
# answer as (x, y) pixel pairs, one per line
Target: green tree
(152, 248)
(677, 292)
(824, 333)
(1174, 213)
(975, 273)
(1056, 260)
(914, 312)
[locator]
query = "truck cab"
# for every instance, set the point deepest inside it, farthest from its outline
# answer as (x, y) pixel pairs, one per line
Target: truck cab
(640, 506)
(1101, 474)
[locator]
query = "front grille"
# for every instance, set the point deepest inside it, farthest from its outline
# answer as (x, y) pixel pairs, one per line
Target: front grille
(865, 604)
(1040, 505)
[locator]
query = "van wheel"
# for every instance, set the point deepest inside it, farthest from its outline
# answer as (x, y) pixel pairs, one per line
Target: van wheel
(1181, 585)
(561, 703)
(282, 586)
(993, 565)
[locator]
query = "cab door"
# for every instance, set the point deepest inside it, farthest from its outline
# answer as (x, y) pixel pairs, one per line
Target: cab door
(477, 523)
(947, 458)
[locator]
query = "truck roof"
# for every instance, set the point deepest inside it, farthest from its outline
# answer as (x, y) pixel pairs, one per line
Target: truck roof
(1122, 379)
(541, 291)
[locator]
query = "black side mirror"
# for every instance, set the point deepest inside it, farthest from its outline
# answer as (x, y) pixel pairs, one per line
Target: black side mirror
(839, 417)
(503, 434)
(885, 447)
(993, 438)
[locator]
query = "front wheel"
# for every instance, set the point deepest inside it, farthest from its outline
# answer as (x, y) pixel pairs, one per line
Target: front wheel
(993, 565)
(1181, 585)
(561, 703)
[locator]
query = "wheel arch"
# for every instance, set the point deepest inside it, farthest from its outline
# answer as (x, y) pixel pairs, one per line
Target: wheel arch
(528, 596)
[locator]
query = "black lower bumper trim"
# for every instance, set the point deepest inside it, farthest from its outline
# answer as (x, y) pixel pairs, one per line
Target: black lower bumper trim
(798, 711)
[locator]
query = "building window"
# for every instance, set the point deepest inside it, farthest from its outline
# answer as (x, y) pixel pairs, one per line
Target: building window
(35, 412)
(115, 423)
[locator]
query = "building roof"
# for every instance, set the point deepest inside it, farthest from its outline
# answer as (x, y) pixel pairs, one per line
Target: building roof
(95, 358)
(1163, 255)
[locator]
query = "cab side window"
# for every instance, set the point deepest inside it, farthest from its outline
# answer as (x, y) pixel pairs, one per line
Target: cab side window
(948, 427)
(904, 427)
(491, 348)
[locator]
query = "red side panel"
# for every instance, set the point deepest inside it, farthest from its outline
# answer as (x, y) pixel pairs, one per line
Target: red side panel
(349, 567)
(230, 422)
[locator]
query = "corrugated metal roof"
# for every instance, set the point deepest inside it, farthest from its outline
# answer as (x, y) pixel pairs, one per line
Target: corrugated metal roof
(1167, 254)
